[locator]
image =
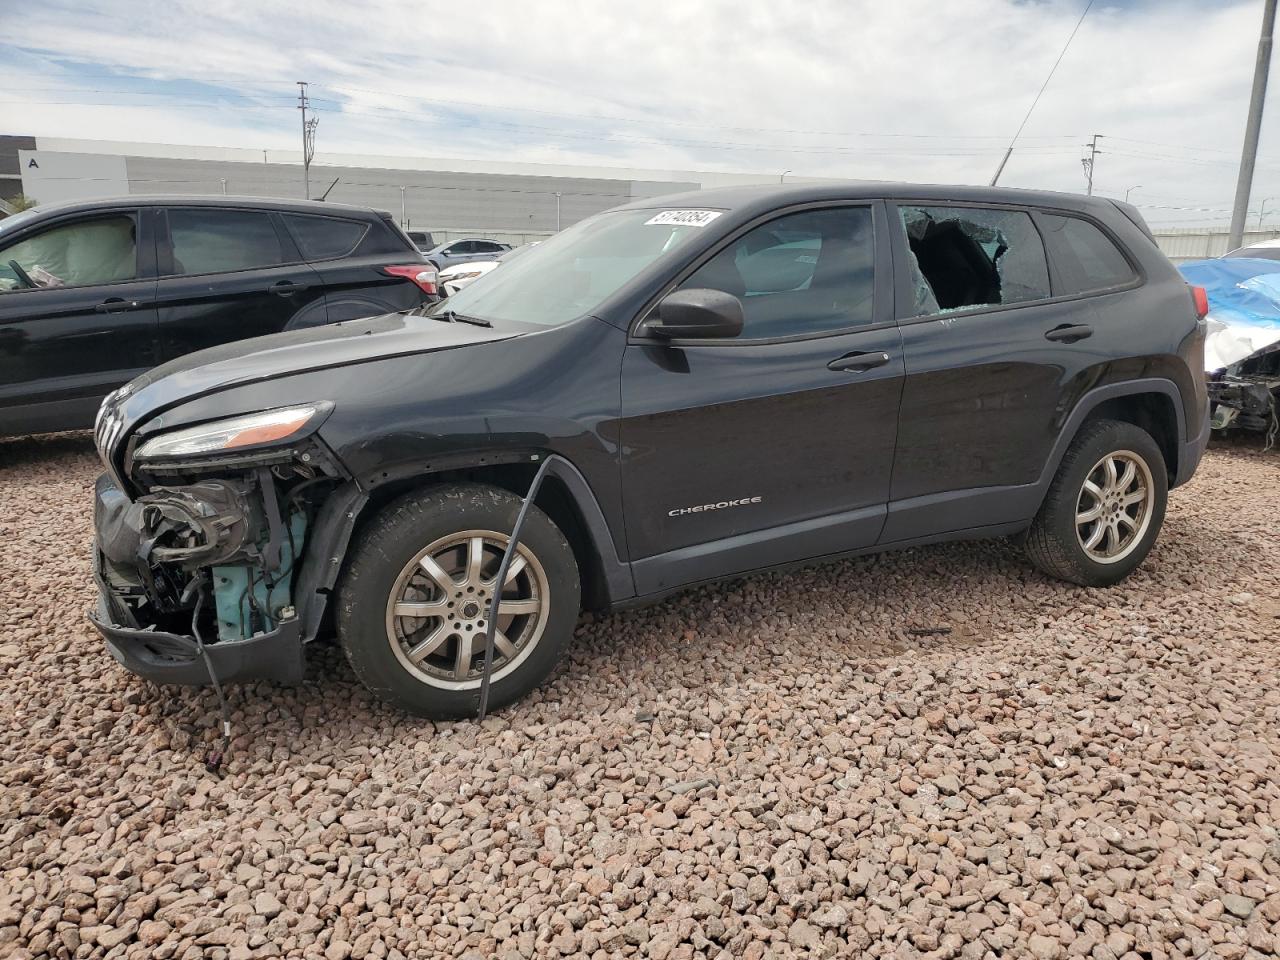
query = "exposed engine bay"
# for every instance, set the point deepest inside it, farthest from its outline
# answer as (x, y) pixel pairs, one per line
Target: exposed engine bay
(1247, 395)
(1242, 349)
(209, 555)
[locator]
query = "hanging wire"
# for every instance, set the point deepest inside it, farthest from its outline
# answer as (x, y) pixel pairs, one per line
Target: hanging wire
(1052, 70)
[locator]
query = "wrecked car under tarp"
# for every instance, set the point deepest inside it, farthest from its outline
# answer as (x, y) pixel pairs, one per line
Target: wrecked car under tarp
(1242, 349)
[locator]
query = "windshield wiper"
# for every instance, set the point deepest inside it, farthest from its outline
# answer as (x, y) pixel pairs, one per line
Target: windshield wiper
(448, 316)
(452, 316)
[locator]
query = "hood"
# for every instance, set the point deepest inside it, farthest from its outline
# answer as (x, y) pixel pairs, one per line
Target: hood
(1244, 307)
(279, 355)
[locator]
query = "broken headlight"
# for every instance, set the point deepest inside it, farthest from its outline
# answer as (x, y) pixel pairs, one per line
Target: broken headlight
(236, 433)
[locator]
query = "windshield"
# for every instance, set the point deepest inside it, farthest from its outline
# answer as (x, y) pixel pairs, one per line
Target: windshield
(567, 276)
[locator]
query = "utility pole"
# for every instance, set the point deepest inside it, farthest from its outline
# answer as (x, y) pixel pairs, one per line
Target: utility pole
(308, 139)
(1253, 127)
(557, 211)
(1087, 162)
(402, 219)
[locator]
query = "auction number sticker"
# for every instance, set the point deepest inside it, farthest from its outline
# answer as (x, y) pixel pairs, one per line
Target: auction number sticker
(684, 218)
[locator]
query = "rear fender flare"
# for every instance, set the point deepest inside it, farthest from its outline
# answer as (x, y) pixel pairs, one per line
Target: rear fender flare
(1094, 398)
(314, 314)
(340, 310)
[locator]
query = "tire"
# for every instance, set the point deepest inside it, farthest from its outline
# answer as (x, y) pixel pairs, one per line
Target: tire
(1057, 545)
(385, 647)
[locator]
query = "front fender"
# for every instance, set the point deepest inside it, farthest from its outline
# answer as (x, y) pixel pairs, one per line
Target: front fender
(615, 572)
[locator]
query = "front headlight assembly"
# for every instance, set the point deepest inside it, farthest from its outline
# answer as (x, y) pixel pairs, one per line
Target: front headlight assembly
(236, 433)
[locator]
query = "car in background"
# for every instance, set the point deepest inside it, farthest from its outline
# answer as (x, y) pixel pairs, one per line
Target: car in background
(1262, 250)
(453, 279)
(1242, 343)
(421, 239)
(94, 293)
(464, 251)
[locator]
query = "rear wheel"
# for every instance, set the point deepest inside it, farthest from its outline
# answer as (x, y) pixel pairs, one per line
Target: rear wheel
(415, 600)
(1104, 508)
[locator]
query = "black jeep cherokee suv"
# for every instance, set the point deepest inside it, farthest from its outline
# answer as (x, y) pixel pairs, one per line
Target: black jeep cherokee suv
(722, 381)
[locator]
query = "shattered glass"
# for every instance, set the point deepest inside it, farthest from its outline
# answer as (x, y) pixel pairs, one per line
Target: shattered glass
(966, 257)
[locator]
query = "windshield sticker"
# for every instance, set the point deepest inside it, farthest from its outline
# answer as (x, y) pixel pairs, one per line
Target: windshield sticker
(684, 218)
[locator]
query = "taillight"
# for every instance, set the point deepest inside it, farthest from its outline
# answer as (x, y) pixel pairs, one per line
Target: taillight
(423, 274)
(1201, 299)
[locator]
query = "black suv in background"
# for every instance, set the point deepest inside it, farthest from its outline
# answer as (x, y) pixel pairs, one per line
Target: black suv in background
(94, 293)
(718, 382)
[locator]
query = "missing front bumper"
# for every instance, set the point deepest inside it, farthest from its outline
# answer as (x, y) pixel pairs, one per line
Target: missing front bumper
(173, 658)
(144, 621)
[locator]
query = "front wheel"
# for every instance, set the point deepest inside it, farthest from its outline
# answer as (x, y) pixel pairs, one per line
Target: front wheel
(414, 603)
(1104, 508)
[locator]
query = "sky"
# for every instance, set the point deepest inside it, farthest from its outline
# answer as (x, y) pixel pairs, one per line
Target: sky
(920, 90)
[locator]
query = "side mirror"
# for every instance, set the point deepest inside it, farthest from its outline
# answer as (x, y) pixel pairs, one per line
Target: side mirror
(696, 314)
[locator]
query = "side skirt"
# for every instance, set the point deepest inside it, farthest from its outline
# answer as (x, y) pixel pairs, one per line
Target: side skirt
(971, 533)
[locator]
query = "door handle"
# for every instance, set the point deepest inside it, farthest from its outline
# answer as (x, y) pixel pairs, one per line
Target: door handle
(858, 361)
(116, 305)
(287, 288)
(1069, 332)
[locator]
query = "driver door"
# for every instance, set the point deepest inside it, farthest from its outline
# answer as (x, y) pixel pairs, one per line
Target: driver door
(77, 316)
(776, 445)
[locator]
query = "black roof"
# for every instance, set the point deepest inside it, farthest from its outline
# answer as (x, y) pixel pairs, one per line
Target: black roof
(745, 199)
(205, 200)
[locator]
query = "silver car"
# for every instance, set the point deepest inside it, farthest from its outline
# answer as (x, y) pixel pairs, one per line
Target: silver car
(464, 251)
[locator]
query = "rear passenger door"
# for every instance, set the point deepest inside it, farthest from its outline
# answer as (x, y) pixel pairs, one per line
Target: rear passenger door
(348, 256)
(998, 344)
(229, 274)
(487, 250)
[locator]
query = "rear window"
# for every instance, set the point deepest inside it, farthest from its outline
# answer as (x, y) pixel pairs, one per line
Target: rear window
(323, 238)
(1089, 259)
(222, 241)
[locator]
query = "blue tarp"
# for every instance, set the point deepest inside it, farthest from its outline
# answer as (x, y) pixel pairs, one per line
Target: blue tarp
(1244, 306)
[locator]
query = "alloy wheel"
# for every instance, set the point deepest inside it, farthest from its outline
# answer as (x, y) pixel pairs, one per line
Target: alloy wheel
(1114, 508)
(438, 609)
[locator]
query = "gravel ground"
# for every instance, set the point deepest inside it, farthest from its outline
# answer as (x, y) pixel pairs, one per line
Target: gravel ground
(777, 767)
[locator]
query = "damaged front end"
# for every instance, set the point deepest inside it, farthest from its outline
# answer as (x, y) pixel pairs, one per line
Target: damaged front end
(1246, 395)
(1242, 345)
(202, 573)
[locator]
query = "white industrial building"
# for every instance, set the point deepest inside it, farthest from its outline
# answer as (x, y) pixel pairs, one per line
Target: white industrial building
(508, 201)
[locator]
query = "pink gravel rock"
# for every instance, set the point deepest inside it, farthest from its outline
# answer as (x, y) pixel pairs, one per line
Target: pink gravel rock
(1068, 773)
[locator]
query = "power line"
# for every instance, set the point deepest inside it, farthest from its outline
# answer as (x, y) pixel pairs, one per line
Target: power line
(1052, 70)
(1174, 146)
(875, 151)
(657, 121)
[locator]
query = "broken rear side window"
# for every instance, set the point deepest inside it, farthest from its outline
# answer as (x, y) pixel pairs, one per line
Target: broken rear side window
(965, 257)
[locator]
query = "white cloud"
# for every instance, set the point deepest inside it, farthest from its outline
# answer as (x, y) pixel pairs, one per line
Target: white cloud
(913, 89)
